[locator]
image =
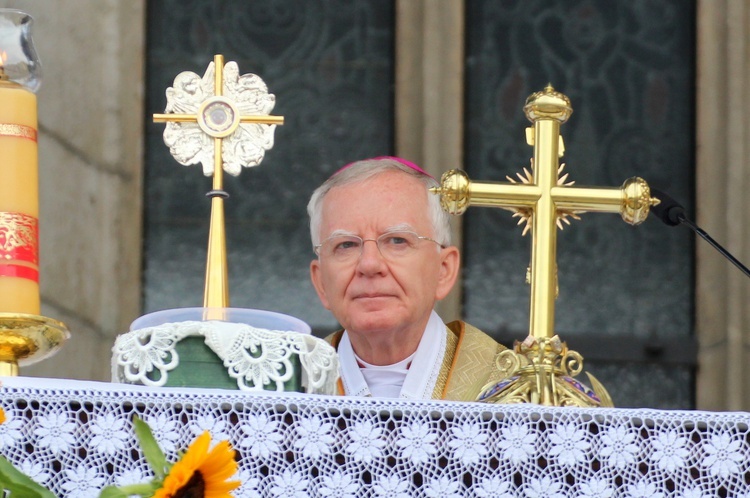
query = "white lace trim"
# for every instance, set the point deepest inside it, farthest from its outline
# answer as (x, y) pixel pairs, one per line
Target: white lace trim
(254, 357)
(302, 445)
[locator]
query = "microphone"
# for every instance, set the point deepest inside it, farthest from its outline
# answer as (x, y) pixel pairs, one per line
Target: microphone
(672, 213)
(668, 210)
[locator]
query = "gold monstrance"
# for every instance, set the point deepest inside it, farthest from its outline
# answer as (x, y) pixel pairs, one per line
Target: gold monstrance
(222, 121)
(541, 369)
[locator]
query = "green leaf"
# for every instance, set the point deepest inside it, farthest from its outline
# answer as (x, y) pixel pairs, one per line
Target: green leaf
(12, 478)
(15, 489)
(144, 490)
(112, 492)
(154, 456)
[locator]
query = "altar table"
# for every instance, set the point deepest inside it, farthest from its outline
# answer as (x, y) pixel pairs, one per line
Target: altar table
(77, 437)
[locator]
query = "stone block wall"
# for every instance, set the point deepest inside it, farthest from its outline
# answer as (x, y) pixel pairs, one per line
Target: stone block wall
(90, 168)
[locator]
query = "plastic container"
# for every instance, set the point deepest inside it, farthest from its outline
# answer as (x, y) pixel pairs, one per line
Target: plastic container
(257, 318)
(199, 365)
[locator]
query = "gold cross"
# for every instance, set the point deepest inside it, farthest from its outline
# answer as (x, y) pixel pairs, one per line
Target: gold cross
(543, 200)
(218, 117)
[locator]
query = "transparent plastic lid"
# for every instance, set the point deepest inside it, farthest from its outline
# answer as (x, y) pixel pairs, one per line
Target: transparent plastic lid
(257, 318)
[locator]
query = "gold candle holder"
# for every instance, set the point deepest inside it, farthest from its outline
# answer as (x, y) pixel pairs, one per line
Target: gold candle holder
(26, 339)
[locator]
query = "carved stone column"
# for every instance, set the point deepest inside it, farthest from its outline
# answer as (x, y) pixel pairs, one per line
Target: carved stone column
(723, 203)
(429, 96)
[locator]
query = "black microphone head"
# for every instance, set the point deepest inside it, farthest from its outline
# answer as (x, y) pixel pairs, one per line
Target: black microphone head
(668, 210)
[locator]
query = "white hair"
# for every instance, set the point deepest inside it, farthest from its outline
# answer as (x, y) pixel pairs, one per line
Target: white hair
(362, 170)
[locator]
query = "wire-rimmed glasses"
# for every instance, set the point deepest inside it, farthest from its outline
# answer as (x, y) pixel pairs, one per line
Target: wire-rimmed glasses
(392, 246)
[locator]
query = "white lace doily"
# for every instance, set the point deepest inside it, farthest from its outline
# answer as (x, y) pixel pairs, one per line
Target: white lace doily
(253, 356)
(76, 437)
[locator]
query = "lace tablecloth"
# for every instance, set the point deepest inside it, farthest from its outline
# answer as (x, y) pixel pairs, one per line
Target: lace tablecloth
(76, 437)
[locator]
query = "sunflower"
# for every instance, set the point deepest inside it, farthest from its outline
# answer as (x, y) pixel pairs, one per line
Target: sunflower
(201, 473)
(2, 416)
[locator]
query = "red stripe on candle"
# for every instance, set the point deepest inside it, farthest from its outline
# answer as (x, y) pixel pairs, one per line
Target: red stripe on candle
(16, 130)
(20, 272)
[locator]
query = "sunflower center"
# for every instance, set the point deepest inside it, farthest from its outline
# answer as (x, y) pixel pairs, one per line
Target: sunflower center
(195, 487)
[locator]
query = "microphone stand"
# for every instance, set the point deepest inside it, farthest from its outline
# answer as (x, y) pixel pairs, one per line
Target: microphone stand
(685, 221)
(672, 213)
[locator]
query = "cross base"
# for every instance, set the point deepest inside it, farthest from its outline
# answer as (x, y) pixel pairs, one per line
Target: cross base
(542, 371)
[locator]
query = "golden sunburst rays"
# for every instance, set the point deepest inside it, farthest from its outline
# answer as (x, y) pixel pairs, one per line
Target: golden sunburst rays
(526, 215)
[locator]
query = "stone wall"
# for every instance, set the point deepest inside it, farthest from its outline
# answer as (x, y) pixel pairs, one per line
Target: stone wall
(90, 163)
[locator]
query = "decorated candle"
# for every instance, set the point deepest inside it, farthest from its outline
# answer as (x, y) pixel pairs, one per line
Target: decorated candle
(19, 200)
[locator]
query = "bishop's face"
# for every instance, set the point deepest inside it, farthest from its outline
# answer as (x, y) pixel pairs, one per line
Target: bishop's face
(370, 294)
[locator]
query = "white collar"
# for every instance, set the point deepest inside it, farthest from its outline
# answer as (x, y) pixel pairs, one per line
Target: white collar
(420, 379)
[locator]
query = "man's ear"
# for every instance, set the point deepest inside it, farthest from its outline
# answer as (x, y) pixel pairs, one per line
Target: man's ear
(450, 260)
(317, 281)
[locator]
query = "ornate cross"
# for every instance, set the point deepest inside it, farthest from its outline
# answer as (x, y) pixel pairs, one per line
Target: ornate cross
(543, 200)
(213, 134)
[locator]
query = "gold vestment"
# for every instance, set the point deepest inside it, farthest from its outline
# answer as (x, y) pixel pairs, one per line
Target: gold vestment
(468, 362)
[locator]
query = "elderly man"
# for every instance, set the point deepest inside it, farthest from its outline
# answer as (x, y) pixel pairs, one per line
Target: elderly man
(393, 344)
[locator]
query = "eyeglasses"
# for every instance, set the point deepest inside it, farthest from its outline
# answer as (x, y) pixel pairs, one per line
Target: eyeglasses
(392, 246)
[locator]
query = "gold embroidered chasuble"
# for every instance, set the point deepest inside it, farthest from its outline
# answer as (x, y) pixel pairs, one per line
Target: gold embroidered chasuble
(468, 362)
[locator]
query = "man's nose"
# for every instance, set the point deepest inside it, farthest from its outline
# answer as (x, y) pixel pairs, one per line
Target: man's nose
(370, 260)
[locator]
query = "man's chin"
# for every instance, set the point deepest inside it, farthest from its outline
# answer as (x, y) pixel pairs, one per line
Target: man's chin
(373, 307)
(374, 322)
